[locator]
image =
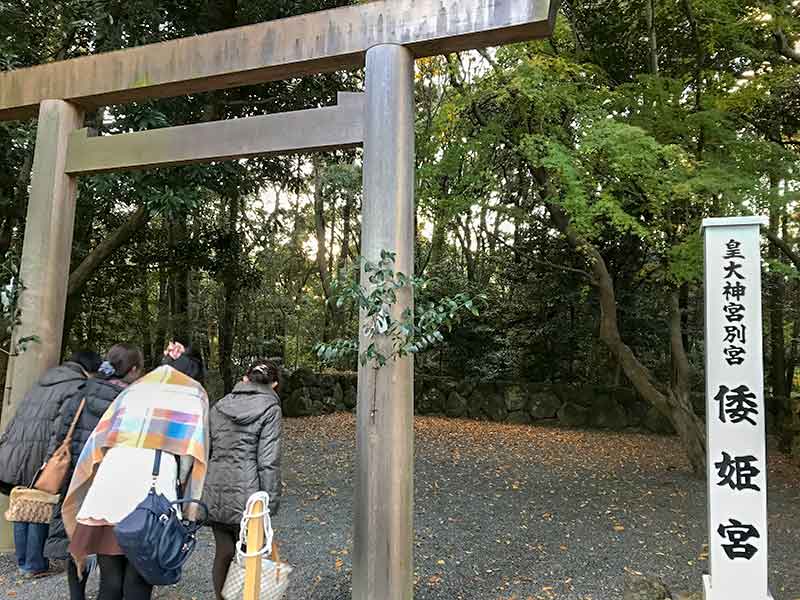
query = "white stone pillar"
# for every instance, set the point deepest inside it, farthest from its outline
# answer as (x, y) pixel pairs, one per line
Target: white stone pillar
(735, 411)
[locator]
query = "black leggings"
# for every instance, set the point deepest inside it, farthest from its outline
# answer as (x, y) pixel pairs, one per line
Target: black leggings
(118, 580)
(77, 587)
(225, 538)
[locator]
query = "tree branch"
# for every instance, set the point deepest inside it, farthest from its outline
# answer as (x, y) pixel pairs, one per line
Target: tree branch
(785, 247)
(544, 263)
(106, 248)
(784, 48)
(488, 58)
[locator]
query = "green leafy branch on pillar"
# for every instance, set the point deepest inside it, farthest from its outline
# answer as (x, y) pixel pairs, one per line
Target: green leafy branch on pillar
(10, 289)
(390, 338)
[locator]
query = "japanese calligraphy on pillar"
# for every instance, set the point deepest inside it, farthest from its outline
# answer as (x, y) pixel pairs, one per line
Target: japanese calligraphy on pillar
(737, 485)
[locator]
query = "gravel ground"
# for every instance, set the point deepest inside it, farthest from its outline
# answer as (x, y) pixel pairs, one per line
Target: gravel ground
(502, 512)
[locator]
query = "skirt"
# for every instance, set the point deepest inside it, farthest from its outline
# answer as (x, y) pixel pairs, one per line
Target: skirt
(94, 539)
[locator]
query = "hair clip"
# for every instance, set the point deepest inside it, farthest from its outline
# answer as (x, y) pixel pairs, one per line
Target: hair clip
(106, 368)
(174, 350)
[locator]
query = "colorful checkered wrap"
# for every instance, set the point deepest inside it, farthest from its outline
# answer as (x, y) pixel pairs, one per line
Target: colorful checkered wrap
(164, 410)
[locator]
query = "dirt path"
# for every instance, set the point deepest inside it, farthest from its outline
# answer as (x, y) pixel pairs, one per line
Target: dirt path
(502, 511)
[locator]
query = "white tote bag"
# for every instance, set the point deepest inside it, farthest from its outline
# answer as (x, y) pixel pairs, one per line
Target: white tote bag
(274, 574)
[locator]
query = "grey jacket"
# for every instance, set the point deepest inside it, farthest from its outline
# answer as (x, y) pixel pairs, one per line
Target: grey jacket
(23, 446)
(245, 452)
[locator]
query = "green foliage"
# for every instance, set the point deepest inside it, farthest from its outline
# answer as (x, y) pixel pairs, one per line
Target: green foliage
(637, 158)
(9, 295)
(386, 335)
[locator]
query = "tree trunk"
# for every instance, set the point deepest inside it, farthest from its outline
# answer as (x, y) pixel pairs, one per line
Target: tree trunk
(484, 272)
(651, 35)
(784, 47)
(332, 314)
(438, 237)
(230, 296)
(4, 363)
(145, 320)
(689, 426)
(345, 249)
(179, 284)
(16, 212)
(81, 244)
(778, 401)
(319, 224)
(332, 236)
(465, 240)
(163, 314)
(791, 362)
(213, 342)
(775, 300)
(684, 307)
(227, 332)
(674, 403)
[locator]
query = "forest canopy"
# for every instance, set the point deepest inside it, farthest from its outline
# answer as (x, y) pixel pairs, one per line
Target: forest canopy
(564, 180)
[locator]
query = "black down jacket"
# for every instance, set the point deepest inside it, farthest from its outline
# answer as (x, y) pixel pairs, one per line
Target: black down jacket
(23, 446)
(245, 452)
(99, 394)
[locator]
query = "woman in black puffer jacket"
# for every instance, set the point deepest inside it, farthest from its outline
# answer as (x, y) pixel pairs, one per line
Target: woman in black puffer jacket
(124, 364)
(245, 458)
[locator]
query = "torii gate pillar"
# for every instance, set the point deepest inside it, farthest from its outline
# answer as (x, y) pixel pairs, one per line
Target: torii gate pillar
(46, 251)
(384, 491)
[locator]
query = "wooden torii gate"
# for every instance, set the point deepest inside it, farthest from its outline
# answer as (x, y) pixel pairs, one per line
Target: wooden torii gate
(385, 36)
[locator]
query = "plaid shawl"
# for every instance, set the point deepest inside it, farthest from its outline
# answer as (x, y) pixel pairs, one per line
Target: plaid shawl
(163, 410)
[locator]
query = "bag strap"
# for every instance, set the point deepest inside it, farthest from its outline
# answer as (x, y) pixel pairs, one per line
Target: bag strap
(199, 522)
(275, 556)
(263, 516)
(277, 560)
(156, 468)
(71, 430)
(157, 463)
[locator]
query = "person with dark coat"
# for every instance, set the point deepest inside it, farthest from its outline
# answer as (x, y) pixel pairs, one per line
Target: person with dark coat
(245, 458)
(123, 365)
(24, 444)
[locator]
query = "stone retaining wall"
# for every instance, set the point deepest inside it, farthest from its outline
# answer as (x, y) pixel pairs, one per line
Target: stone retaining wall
(305, 393)
(601, 407)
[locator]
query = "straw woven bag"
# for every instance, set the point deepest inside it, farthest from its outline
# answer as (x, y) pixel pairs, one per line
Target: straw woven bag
(28, 505)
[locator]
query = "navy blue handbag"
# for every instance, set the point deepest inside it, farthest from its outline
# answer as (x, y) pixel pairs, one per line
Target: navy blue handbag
(155, 540)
